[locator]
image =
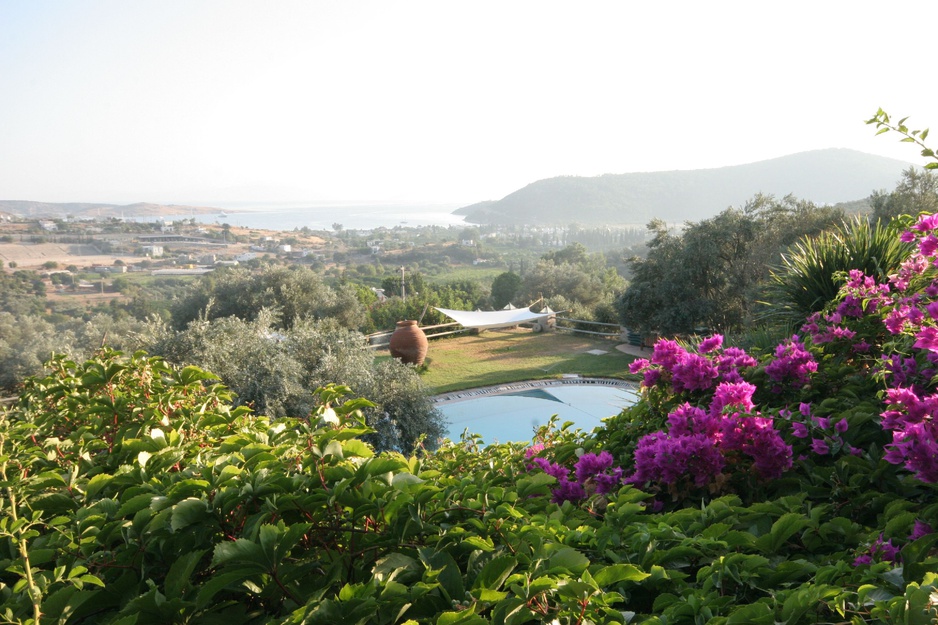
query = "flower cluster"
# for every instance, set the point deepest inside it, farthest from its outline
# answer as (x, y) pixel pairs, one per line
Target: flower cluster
(884, 551)
(688, 371)
(912, 420)
(793, 364)
(877, 331)
(911, 410)
(700, 443)
(879, 551)
(825, 433)
(592, 474)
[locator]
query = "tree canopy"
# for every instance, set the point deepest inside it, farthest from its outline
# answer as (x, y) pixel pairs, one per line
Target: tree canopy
(708, 275)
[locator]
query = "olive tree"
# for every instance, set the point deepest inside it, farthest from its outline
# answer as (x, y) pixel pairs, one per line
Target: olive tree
(295, 292)
(276, 371)
(710, 274)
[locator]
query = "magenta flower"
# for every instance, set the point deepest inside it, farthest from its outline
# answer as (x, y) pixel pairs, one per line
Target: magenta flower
(915, 447)
(737, 396)
(731, 363)
(638, 365)
(819, 447)
(568, 491)
(921, 528)
(799, 430)
(927, 338)
(667, 354)
(793, 363)
(926, 223)
(932, 310)
(879, 551)
(591, 464)
(693, 373)
(686, 420)
(558, 471)
(651, 377)
(928, 245)
(710, 344)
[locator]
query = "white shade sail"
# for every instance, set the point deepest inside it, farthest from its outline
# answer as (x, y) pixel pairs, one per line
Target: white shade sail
(482, 319)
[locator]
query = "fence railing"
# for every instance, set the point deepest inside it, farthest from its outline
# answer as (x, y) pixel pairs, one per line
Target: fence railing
(382, 339)
(617, 334)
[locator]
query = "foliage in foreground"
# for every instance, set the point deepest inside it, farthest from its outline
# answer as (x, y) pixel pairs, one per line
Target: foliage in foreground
(136, 494)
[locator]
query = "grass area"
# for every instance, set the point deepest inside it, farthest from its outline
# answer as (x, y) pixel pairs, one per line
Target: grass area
(500, 356)
(454, 274)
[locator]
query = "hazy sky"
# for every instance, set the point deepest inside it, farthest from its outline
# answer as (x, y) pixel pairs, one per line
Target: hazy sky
(193, 100)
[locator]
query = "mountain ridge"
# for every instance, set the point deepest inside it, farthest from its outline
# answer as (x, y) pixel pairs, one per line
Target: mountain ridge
(827, 176)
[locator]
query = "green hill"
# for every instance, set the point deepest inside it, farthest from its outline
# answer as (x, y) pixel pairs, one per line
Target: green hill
(824, 176)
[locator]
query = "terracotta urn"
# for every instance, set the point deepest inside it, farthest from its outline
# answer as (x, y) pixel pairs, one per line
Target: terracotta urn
(409, 343)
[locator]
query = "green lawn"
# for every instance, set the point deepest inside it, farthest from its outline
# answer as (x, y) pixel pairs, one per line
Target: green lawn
(500, 356)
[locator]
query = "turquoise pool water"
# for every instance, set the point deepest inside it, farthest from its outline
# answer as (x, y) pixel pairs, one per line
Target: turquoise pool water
(514, 413)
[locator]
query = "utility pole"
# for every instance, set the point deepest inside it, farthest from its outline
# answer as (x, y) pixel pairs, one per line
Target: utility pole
(403, 297)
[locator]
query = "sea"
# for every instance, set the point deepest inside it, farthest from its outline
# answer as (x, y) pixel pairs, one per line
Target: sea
(351, 216)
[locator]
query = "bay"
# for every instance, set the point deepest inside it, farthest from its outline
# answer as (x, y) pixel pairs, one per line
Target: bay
(351, 216)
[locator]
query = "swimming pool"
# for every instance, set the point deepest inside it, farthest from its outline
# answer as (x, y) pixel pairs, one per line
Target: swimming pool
(513, 412)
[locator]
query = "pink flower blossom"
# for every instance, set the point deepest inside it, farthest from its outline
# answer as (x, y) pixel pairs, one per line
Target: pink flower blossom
(927, 338)
(710, 344)
(819, 447)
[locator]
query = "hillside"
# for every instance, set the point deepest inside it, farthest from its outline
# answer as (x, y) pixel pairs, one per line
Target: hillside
(823, 176)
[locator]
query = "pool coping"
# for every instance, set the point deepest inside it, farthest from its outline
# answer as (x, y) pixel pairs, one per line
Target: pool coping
(510, 387)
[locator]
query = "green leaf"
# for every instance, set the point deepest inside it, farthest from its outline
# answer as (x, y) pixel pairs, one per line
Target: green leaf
(190, 375)
(752, 614)
(616, 573)
(917, 559)
(535, 484)
(495, 572)
(187, 512)
(221, 581)
(135, 504)
(491, 596)
(95, 484)
(569, 559)
(402, 480)
(465, 617)
(387, 568)
(334, 448)
(477, 542)
(289, 539)
(383, 464)
(783, 529)
(177, 578)
(241, 550)
(357, 448)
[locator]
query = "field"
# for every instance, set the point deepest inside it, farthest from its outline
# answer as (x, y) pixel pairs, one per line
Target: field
(500, 356)
(33, 255)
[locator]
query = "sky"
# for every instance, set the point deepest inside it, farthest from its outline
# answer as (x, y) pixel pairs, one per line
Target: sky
(211, 102)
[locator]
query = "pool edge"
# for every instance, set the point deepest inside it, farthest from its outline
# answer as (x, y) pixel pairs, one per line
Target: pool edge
(509, 387)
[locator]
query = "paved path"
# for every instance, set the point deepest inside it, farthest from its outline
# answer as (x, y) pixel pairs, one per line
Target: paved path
(634, 350)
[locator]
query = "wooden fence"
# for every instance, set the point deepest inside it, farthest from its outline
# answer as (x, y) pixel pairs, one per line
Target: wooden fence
(380, 340)
(617, 334)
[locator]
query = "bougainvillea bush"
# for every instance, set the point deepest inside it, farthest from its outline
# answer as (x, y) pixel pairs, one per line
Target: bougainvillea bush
(791, 487)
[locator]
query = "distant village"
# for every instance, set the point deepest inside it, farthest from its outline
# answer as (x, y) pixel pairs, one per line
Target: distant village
(188, 247)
